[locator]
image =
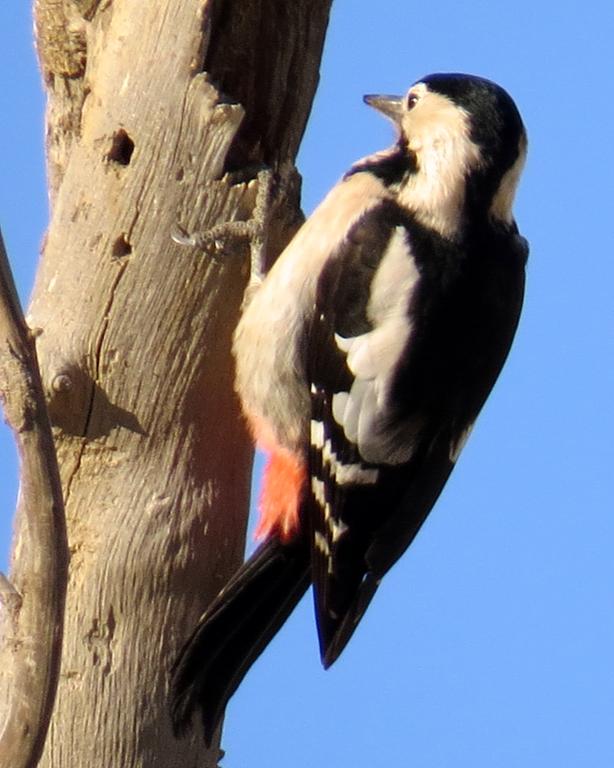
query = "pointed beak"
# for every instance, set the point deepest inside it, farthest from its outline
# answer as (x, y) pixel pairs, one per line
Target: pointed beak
(390, 106)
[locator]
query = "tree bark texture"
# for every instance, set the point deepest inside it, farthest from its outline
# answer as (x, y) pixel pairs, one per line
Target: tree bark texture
(33, 604)
(159, 113)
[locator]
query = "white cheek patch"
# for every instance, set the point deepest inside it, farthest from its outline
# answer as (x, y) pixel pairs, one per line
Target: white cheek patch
(373, 359)
(439, 133)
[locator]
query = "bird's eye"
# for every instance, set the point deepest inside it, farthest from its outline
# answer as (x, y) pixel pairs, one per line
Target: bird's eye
(412, 100)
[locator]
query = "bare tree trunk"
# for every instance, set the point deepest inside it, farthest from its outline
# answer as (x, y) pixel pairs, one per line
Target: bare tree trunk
(160, 112)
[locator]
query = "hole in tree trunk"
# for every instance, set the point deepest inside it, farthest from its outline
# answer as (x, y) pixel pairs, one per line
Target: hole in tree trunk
(121, 247)
(122, 148)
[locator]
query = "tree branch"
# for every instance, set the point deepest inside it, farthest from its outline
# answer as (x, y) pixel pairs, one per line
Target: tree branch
(33, 601)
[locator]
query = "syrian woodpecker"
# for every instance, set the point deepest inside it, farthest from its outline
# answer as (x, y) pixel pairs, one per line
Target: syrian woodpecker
(362, 362)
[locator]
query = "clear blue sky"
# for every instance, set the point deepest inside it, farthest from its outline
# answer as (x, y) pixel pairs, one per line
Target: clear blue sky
(492, 642)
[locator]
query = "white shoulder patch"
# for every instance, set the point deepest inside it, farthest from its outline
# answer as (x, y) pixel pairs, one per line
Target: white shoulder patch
(373, 358)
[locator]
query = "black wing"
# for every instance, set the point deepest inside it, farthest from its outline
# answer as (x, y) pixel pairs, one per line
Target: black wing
(408, 336)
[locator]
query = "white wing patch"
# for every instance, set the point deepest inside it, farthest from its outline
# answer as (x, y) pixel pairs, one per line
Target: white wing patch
(373, 357)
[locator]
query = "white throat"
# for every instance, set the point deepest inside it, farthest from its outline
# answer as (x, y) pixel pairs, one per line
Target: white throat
(439, 134)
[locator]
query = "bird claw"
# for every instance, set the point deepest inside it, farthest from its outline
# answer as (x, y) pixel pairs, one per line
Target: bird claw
(181, 236)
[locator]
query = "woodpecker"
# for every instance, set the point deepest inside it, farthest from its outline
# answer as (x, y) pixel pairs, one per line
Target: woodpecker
(362, 362)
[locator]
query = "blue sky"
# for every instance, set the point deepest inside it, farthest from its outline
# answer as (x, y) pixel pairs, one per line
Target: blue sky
(492, 642)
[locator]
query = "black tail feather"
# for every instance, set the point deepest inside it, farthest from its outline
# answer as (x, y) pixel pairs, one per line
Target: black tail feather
(234, 631)
(335, 634)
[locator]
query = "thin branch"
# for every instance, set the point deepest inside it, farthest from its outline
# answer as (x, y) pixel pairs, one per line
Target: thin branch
(33, 600)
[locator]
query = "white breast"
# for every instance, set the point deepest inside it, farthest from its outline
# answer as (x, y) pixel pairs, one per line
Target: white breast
(270, 376)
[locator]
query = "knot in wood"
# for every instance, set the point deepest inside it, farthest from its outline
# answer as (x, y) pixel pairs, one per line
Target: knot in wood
(62, 382)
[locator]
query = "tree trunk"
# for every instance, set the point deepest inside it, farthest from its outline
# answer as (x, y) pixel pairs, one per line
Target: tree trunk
(159, 113)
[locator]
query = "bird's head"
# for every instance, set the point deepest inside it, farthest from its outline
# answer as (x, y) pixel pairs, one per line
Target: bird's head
(467, 146)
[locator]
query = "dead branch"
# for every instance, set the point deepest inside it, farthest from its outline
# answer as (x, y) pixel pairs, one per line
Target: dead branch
(33, 600)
